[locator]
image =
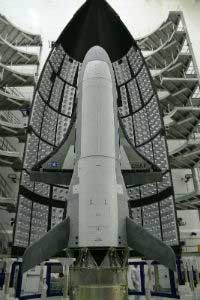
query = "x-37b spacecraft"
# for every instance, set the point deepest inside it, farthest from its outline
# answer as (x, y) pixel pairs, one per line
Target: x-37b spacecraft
(97, 113)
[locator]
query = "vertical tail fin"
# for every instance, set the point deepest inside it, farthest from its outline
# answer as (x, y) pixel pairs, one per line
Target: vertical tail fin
(51, 243)
(152, 248)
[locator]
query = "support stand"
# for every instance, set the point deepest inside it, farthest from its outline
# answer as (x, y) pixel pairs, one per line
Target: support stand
(66, 263)
(43, 285)
(148, 281)
(197, 288)
(185, 291)
(8, 292)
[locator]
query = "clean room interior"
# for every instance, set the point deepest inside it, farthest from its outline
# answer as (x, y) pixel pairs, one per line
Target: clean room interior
(99, 149)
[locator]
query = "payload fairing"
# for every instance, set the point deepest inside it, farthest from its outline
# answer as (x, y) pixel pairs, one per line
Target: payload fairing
(115, 118)
(97, 201)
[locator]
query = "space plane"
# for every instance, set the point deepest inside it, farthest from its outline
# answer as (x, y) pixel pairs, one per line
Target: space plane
(97, 215)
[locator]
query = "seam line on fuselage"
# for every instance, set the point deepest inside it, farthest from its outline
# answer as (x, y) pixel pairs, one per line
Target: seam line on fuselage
(96, 77)
(105, 156)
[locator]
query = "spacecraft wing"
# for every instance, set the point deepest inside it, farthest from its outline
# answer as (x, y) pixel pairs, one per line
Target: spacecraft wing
(52, 177)
(132, 178)
(152, 248)
(50, 244)
(142, 170)
(51, 169)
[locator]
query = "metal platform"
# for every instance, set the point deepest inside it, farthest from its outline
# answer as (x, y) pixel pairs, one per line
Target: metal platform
(181, 122)
(7, 200)
(12, 55)
(11, 159)
(8, 204)
(17, 36)
(162, 34)
(13, 130)
(186, 156)
(13, 102)
(168, 52)
(19, 63)
(176, 69)
(9, 156)
(188, 201)
(179, 98)
(174, 84)
(12, 78)
(169, 55)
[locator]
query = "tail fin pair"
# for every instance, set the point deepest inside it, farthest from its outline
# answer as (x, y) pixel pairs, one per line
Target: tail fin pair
(137, 237)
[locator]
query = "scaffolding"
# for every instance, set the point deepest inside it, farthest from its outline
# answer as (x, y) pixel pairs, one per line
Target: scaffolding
(170, 57)
(19, 63)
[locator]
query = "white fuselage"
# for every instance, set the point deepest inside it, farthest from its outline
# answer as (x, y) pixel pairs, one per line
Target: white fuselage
(98, 207)
(97, 203)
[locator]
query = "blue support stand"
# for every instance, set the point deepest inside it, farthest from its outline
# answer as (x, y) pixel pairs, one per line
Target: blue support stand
(172, 294)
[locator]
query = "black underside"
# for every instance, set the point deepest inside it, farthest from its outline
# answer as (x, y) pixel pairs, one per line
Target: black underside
(96, 23)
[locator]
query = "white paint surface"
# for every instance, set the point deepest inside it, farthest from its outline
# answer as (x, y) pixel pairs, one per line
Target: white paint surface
(97, 128)
(98, 205)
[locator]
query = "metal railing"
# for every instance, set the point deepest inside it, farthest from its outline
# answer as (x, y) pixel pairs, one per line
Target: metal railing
(14, 91)
(4, 240)
(5, 145)
(9, 117)
(5, 189)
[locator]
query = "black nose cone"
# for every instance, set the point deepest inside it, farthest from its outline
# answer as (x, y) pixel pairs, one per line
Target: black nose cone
(96, 23)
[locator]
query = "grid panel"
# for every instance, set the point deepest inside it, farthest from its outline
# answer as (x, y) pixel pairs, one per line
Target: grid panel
(128, 125)
(134, 95)
(145, 84)
(31, 151)
(42, 189)
(151, 220)
(23, 222)
(141, 125)
(56, 93)
(60, 193)
(142, 122)
(124, 109)
(147, 151)
(38, 110)
(149, 189)
(46, 82)
(25, 181)
(57, 216)
(38, 221)
(135, 60)
(57, 57)
(49, 125)
(68, 100)
(122, 70)
(160, 153)
(165, 183)
(62, 126)
(50, 119)
(134, 193)
(44, 150)
(153, 116)
(137, 215)
(69, 69)
(168, 221)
